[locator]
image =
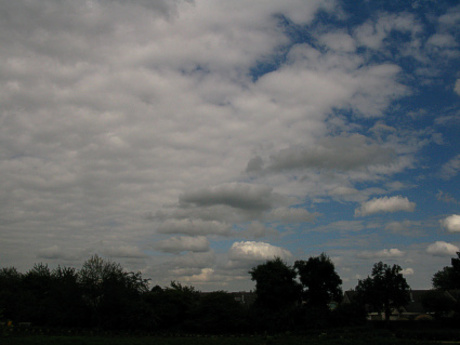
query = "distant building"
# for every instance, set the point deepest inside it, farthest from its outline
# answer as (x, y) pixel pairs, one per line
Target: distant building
(246, 298)
(412, 310)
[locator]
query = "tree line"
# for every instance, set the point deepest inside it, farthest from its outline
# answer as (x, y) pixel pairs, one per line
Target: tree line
(102, 295)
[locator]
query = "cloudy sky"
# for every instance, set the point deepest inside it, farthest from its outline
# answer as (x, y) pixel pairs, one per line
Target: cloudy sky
(192, 140)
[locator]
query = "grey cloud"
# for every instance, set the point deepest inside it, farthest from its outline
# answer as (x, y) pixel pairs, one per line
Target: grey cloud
(124, 251)
(184, 244)
(291, 215)
(236, 195)
(258, 230)
(56, 253)
(194, 227)
(338, 153)
(255, 165)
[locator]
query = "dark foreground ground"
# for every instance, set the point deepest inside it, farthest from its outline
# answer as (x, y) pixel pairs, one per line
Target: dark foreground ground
(374, 337)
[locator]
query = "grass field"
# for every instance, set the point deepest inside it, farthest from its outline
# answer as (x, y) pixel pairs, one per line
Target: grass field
(320, 339)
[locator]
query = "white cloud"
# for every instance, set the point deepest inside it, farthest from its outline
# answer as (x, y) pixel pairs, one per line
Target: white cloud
(339, 41)
(385, 204)
(442, 41)
(408, 271)
(205, 275)
(385, 253)
(373, 34)
(179, 244)
(256, 251)
(441, 248)
(451, 223)
(457, 87)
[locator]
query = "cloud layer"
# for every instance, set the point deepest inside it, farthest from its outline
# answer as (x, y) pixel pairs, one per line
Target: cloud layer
(191, 140)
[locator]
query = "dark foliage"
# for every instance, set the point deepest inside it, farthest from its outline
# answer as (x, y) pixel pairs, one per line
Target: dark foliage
(278, 295)
(102, 296)
(449, 277)
(320, 281)
(385, 289)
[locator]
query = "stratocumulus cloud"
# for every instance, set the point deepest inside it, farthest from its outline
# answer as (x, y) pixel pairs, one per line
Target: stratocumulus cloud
(168, 135)
(385, 204)
(194, 227)
(179, 244)
(384, 253)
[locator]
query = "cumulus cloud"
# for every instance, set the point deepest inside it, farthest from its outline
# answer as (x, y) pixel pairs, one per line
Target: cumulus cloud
(372, 34)
(457, 87)
(441, 248)
(385, 204)
(194, 227)
(250, 252)
(179, 244)
(451, 223)
(204, 275)
(408, 271)
(384, 253)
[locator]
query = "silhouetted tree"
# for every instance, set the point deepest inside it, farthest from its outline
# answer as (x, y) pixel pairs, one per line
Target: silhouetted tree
(276, 287)
(449, 277)
(219, 313)
(174, 307)
(320, 282)
(320, 286)
(110, 293)
(10, 293)
(67, 294)
(38, 304)
(278, 294)
(385, 289)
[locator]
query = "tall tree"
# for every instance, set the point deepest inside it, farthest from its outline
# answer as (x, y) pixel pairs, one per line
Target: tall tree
(276, 287)
(110, 293)
(449, 277)
(10, 291)
(320, 282)
(385, 289)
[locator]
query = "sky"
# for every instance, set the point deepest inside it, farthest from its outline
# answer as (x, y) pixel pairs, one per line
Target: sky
(194, 140)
